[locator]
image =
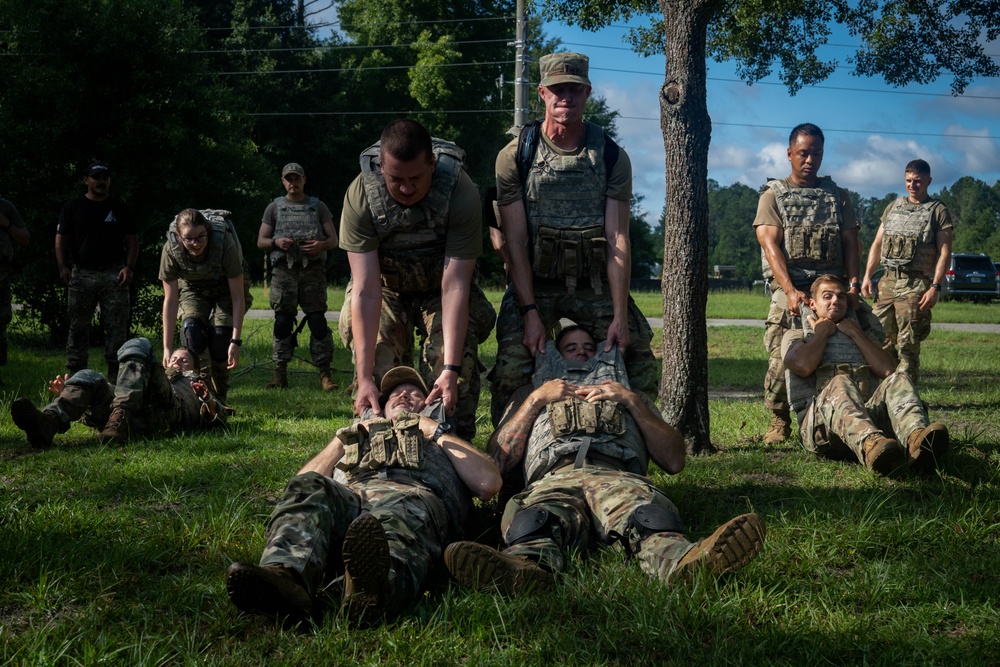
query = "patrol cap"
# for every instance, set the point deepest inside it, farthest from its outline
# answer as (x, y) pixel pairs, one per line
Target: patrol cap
(401, 375)
(566, 67)
(293, 168)
(97, 168)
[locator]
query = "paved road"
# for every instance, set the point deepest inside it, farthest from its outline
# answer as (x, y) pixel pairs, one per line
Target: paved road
(657, 322)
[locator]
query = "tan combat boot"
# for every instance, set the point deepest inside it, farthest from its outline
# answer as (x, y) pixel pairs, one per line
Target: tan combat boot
(326, 382)
(280, 379)
(780, 429)
(883, 455)
(485, 569)
(117, 428)
(731, 547)
(928, 446)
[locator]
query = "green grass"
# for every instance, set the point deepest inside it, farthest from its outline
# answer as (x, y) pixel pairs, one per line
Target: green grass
(116, 555)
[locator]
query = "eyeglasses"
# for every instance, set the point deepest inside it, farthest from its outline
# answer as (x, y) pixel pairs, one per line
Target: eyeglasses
(195, 240)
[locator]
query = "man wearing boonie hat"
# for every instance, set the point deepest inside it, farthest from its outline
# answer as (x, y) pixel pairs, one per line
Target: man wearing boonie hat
(298, 231)
(563, 190)
(96, 251)
(403, 490)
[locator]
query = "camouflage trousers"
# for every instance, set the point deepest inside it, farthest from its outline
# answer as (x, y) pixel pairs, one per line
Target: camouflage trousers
(590, 506)
(6, 312)
(594, 312)
(306, 530)
(906, 326)
(300, 287)
(839, 420)
(87, 290)
(778, 322)
(402, 314)
(211, 304)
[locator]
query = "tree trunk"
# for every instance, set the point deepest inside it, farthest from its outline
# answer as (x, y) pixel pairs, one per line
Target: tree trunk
(686, 136)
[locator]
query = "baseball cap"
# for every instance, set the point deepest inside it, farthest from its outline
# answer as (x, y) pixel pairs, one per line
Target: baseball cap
(293, 168)
(401, 375)
(96, 168)
(566, 67)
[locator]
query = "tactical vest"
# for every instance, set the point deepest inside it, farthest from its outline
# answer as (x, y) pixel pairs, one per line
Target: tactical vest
(380, 448)
(299, 221)
(565, 199)
(210, 267)
(842, 356)
(188, 407)
(811, 220)
(577, 428)
(412, 238)
(908, 241)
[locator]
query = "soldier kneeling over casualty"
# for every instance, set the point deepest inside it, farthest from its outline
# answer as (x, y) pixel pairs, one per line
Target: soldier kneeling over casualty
(401, 495)
(582, 441)
(848, 400)
(147, 399)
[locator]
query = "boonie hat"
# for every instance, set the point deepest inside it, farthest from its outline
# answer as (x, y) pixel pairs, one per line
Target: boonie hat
(401, 375)
(97, 168)
(566, 67)
(293, 168)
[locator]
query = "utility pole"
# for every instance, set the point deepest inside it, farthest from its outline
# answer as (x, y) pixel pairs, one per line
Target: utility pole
(521, 81)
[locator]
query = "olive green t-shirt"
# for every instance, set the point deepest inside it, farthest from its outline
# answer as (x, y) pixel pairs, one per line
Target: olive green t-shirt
(510, 188)
(465, 220)
(232, 260)
(768, 213)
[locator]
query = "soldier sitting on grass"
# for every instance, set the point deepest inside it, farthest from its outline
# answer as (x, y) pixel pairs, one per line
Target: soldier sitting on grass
(582, 440)
(848, 400)
(147, 399)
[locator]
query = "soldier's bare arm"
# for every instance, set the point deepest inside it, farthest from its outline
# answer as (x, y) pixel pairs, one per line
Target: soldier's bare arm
(514, 223)
(366, 308)
(169, 315)
(324, 462)
(616, 220)
(508, 443)
(476, 469)
(851, 247)
(943, 241)
(804, 357)
(62, 257)
(239, 308)
(874, 258)
(770, 239)
(131, 255)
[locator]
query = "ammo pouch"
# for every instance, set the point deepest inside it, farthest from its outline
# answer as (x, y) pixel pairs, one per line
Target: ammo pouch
(570, 254)
(413, 272)
(821, 244)
(378, 444)
(860, 374)
(573, 416)
(899, 248)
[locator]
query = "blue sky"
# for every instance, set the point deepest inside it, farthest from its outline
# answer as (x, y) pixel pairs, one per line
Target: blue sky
(872, 130)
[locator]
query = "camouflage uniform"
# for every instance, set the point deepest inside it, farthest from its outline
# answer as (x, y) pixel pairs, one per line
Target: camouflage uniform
(839, 406)
(6, 258)
(420, 510)
(909, 253)
(157, 400)
(298, 280)
(565, 198)
(587, 486)
(412, 243)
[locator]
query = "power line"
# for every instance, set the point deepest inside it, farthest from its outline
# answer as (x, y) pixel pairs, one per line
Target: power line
(329, 70)
(346, 47)
(411, 112)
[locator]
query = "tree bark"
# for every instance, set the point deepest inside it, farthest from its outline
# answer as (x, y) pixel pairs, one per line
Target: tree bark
(687, 132)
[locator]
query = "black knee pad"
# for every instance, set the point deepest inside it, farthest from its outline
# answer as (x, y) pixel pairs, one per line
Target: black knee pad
(218, 347)
(284, 325)
(194, 334)
(317, 325)
(529, 524)
(649, 519)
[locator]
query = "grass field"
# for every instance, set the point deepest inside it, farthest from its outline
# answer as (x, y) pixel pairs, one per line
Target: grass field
(116, 555)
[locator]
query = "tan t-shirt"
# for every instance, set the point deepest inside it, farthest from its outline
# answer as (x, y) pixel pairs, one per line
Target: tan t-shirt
(768, 213)
(232, 260)
(510, 189)
(465, 221)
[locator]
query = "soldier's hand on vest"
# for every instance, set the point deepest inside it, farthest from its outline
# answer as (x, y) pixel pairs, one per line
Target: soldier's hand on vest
(850, 326)
(534, 332)
(822, 326)
(795, 298)
(607, 391)
(312, 247)
(284, 242)
(367, 398)
(618, 333)
(445, 388)
(555, 390)
(853, 299)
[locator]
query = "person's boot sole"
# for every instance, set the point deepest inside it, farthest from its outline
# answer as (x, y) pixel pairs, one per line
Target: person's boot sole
(26, 417)
(268, 591)
(366, 570)
(485, 569)
(730, 548)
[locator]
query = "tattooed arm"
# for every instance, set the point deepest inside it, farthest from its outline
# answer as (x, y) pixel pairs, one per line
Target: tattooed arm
(508, 443)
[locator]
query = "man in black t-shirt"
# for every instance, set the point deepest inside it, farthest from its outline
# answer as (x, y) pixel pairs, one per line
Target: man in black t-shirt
(96, 250)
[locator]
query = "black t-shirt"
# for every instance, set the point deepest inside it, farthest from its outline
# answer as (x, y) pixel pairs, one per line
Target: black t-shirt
(96, 232)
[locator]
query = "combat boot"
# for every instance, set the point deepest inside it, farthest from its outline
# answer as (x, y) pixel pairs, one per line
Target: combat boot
(780, 428)
(271, 590)
(883, 455)
(280, 379)
(485, 569)
(40, 427)
(366, 571)
(326, 382)
(730, 548)
(928, 446)
(117, 428)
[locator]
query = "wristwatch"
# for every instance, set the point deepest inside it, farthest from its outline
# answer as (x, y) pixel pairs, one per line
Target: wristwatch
(238, 342)
(443, 427)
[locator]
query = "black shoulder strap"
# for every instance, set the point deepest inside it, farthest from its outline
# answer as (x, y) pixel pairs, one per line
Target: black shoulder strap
(611, 151)
(527, 145)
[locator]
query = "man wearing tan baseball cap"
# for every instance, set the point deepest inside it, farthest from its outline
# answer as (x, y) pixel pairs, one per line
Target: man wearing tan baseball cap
(563, 190)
